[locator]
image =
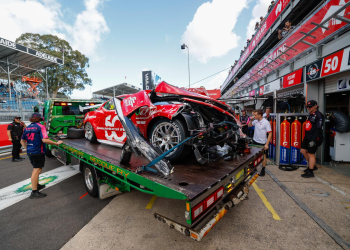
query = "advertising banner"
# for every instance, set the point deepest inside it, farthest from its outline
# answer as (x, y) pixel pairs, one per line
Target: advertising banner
(321, 14)
(252, 93)
(329, 65)
(293, 78)
(274, 14)
(313, 70)
(147, 80)
(24, 49)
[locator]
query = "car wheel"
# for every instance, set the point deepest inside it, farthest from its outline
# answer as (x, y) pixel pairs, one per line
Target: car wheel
(90, 133)
(75, 133)
(90, 180)
(48, 153)
(166, 134)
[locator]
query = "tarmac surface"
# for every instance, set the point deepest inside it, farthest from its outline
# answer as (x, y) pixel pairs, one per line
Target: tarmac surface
(284, 211)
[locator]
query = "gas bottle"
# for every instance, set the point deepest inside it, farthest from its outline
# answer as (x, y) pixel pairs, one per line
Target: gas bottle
(303, 129)
(285, 142)
(270, 143)
(295, 142)
(274, 139)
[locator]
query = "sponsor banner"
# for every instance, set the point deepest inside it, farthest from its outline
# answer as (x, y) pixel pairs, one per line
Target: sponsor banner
(329, 65)
(257, 92)
(293, 78)
(272, 86)
(147, 80)
(313, 70)
(261, 90)
(343, 84)
(321, 14)
(214, 93)
(22, 48)
(252, 93)
(274, 14)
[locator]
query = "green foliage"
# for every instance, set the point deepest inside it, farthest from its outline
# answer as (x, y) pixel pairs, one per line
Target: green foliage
(61, 78)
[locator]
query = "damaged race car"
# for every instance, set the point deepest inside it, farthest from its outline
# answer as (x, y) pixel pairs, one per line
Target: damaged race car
(167, 124)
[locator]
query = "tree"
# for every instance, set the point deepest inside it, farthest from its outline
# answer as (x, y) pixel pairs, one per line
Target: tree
(61, 78)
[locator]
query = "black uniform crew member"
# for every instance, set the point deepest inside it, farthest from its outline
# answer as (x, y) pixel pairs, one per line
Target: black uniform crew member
(244, 120)
(14, 133)
(313, 137)
(262, 134)
(33, 140)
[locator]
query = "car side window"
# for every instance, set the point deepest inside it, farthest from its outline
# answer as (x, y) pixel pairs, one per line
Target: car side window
(109, 105)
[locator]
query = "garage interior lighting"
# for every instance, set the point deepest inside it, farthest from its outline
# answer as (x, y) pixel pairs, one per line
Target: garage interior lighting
(343, 94)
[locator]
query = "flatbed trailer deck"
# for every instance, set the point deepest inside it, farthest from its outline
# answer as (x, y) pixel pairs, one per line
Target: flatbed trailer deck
(191, 183)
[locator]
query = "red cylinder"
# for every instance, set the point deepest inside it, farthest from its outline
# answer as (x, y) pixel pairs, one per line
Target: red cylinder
(285, 142)
(295, 141)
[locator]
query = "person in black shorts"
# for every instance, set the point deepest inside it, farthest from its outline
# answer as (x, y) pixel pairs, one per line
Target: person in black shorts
(33, 140)
(244, 120)
(313, 137)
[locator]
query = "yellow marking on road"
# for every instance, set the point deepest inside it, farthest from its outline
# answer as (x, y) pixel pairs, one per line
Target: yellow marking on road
(9, 157)
(150, 203)
(267, 204)
(346, 202)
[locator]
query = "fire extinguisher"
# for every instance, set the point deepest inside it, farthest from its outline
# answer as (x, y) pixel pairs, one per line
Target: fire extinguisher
(303, 129)
(295, 142)
(270, 143)
(285, 142)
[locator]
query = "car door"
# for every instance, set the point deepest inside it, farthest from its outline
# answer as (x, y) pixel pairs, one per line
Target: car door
(111, 129)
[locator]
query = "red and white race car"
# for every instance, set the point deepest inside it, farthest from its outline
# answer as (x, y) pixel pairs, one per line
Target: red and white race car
(166, 116)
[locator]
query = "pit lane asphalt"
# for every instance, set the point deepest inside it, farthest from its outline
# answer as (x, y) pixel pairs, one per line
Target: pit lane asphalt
(46, 223)
(125, 223)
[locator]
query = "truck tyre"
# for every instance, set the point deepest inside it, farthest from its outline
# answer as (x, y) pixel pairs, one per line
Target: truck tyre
(75, 133)
(48, 153)
(165, 134)
(90, 180)
(90, 133)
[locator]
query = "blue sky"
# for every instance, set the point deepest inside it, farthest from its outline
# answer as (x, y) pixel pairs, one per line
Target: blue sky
(122, 38)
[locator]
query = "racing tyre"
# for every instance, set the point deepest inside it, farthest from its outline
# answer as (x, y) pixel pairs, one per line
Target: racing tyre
(90, 180)
(166, 134)
(75, 133)
(341, 121)
(90, 133)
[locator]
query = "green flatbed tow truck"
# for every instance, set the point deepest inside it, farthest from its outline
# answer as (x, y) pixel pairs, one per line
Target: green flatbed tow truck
(205, 193)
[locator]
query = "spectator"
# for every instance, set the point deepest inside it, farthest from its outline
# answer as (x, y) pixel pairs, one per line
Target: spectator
(271, 6)
(244, 120)
(262, 19)
(235, 63)
(267, 113)
(286, 30)
(241, 52)
(245, 47)
(257, 26)
(248, 41)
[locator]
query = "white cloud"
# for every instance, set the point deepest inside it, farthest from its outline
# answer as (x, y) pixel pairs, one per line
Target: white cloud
(45, 17)
(210, 34)
(260, 9)
(214, 83)
(88, 29)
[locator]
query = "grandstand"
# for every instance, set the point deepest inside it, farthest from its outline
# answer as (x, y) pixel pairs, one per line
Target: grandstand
(266, 57)
(17, 61)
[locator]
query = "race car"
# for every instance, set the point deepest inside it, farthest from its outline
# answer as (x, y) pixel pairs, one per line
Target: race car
(166, 117)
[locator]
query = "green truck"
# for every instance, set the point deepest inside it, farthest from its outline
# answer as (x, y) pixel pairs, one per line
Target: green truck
(205, 193)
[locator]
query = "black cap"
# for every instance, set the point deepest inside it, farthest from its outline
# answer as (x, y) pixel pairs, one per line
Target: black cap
(311, 103)
(17, 117)
(36, 115)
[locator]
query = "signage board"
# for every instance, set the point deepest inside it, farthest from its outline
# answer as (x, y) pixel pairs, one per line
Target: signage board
(293, 78)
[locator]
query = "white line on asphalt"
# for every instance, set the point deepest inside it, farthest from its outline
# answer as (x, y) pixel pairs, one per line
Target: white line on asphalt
(21, 190)
(333, 187)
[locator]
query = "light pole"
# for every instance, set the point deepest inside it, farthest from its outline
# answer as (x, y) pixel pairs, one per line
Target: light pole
(184, 46)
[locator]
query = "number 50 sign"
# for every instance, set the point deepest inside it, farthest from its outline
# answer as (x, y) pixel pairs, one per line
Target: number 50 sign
(332, 63)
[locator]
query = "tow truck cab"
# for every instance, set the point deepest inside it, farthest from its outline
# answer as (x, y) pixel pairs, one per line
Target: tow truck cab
(62, 114)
